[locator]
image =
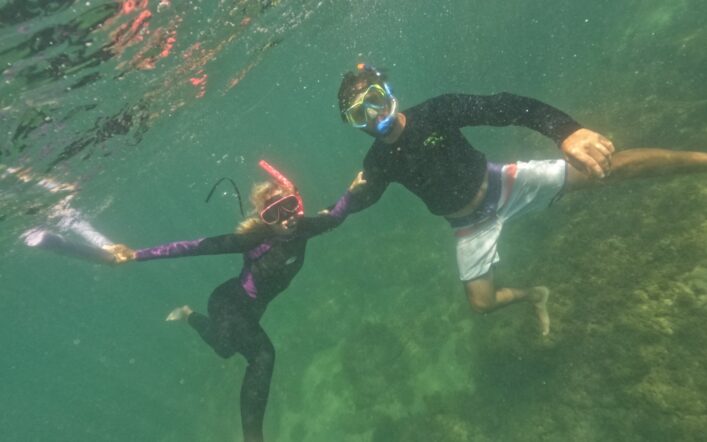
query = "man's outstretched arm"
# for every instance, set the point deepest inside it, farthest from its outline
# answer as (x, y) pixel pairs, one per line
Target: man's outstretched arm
(585, 149)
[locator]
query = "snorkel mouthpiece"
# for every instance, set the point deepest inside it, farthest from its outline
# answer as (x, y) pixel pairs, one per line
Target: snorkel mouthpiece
(284, 182)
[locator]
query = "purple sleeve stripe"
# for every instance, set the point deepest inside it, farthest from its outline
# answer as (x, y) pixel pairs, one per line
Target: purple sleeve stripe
(341, 208)
(258, 251)
(248, 284)
(173, 249)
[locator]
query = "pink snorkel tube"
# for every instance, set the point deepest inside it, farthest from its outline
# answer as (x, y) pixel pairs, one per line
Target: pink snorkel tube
(284, 182)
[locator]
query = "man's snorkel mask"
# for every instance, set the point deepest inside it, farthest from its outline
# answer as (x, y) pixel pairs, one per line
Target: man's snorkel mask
(370, 104)
(285, 183)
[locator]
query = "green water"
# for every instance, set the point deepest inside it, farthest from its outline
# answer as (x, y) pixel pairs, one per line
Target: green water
(375, 340)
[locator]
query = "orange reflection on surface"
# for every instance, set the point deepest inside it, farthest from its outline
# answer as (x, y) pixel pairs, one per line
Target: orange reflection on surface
(132, 27)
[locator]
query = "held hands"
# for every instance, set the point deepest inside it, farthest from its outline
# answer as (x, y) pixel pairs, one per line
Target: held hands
(121, 253)
(589, 152)
(356, 185)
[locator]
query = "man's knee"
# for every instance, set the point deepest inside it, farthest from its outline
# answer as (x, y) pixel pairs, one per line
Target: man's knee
(481, 297)
(480, 305)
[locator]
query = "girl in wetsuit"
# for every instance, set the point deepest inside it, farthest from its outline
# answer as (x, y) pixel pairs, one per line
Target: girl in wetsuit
(273, 246)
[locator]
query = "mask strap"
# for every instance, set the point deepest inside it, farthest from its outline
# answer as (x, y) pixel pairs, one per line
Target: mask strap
(235, 188)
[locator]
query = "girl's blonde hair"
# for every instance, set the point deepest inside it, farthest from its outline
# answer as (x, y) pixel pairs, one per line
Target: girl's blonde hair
(259, 195)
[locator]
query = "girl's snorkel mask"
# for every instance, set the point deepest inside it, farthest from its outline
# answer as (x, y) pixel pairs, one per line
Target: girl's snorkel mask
(285, 183)
(370, 104)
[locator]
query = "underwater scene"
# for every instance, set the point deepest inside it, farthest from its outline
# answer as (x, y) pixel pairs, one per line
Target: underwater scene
(118, 117)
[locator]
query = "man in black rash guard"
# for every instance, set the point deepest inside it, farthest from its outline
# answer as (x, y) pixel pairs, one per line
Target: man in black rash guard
(423, 149)
(273, 248)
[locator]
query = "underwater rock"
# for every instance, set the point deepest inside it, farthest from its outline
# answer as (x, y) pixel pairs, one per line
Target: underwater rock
(376, 364)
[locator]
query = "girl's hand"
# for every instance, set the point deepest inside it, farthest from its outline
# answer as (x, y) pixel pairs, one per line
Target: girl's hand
(121, 253)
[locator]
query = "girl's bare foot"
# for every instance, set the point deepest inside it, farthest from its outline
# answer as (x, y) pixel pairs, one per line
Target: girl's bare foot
(179, 313)
(538, 296)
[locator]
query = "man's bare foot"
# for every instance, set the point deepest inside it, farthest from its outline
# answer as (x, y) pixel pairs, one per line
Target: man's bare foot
(179, 313)
(538, 296)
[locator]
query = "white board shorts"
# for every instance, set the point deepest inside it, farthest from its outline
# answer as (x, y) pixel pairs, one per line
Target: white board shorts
(524, 187)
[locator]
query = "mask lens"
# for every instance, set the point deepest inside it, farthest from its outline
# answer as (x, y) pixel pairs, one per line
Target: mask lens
(357, 114)
(271, 215)
(376, 98)
(289, 204)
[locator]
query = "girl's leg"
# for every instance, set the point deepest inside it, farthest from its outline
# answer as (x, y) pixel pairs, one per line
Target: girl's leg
(220, 328)
(202, 324)
(260, 354)
(233, 327)
(229, 329)
(236, 332)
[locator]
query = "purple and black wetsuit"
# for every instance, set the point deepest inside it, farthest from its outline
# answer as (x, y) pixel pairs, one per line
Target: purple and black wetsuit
(236, 306)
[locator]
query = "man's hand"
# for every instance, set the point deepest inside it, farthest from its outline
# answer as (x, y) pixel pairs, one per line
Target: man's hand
(121, 253)
(358, 183)
(589, 152)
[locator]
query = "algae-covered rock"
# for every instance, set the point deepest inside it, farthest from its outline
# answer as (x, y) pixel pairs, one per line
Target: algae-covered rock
(376, 365)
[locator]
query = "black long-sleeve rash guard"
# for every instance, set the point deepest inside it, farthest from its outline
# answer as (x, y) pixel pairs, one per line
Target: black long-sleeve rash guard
(434, 160)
